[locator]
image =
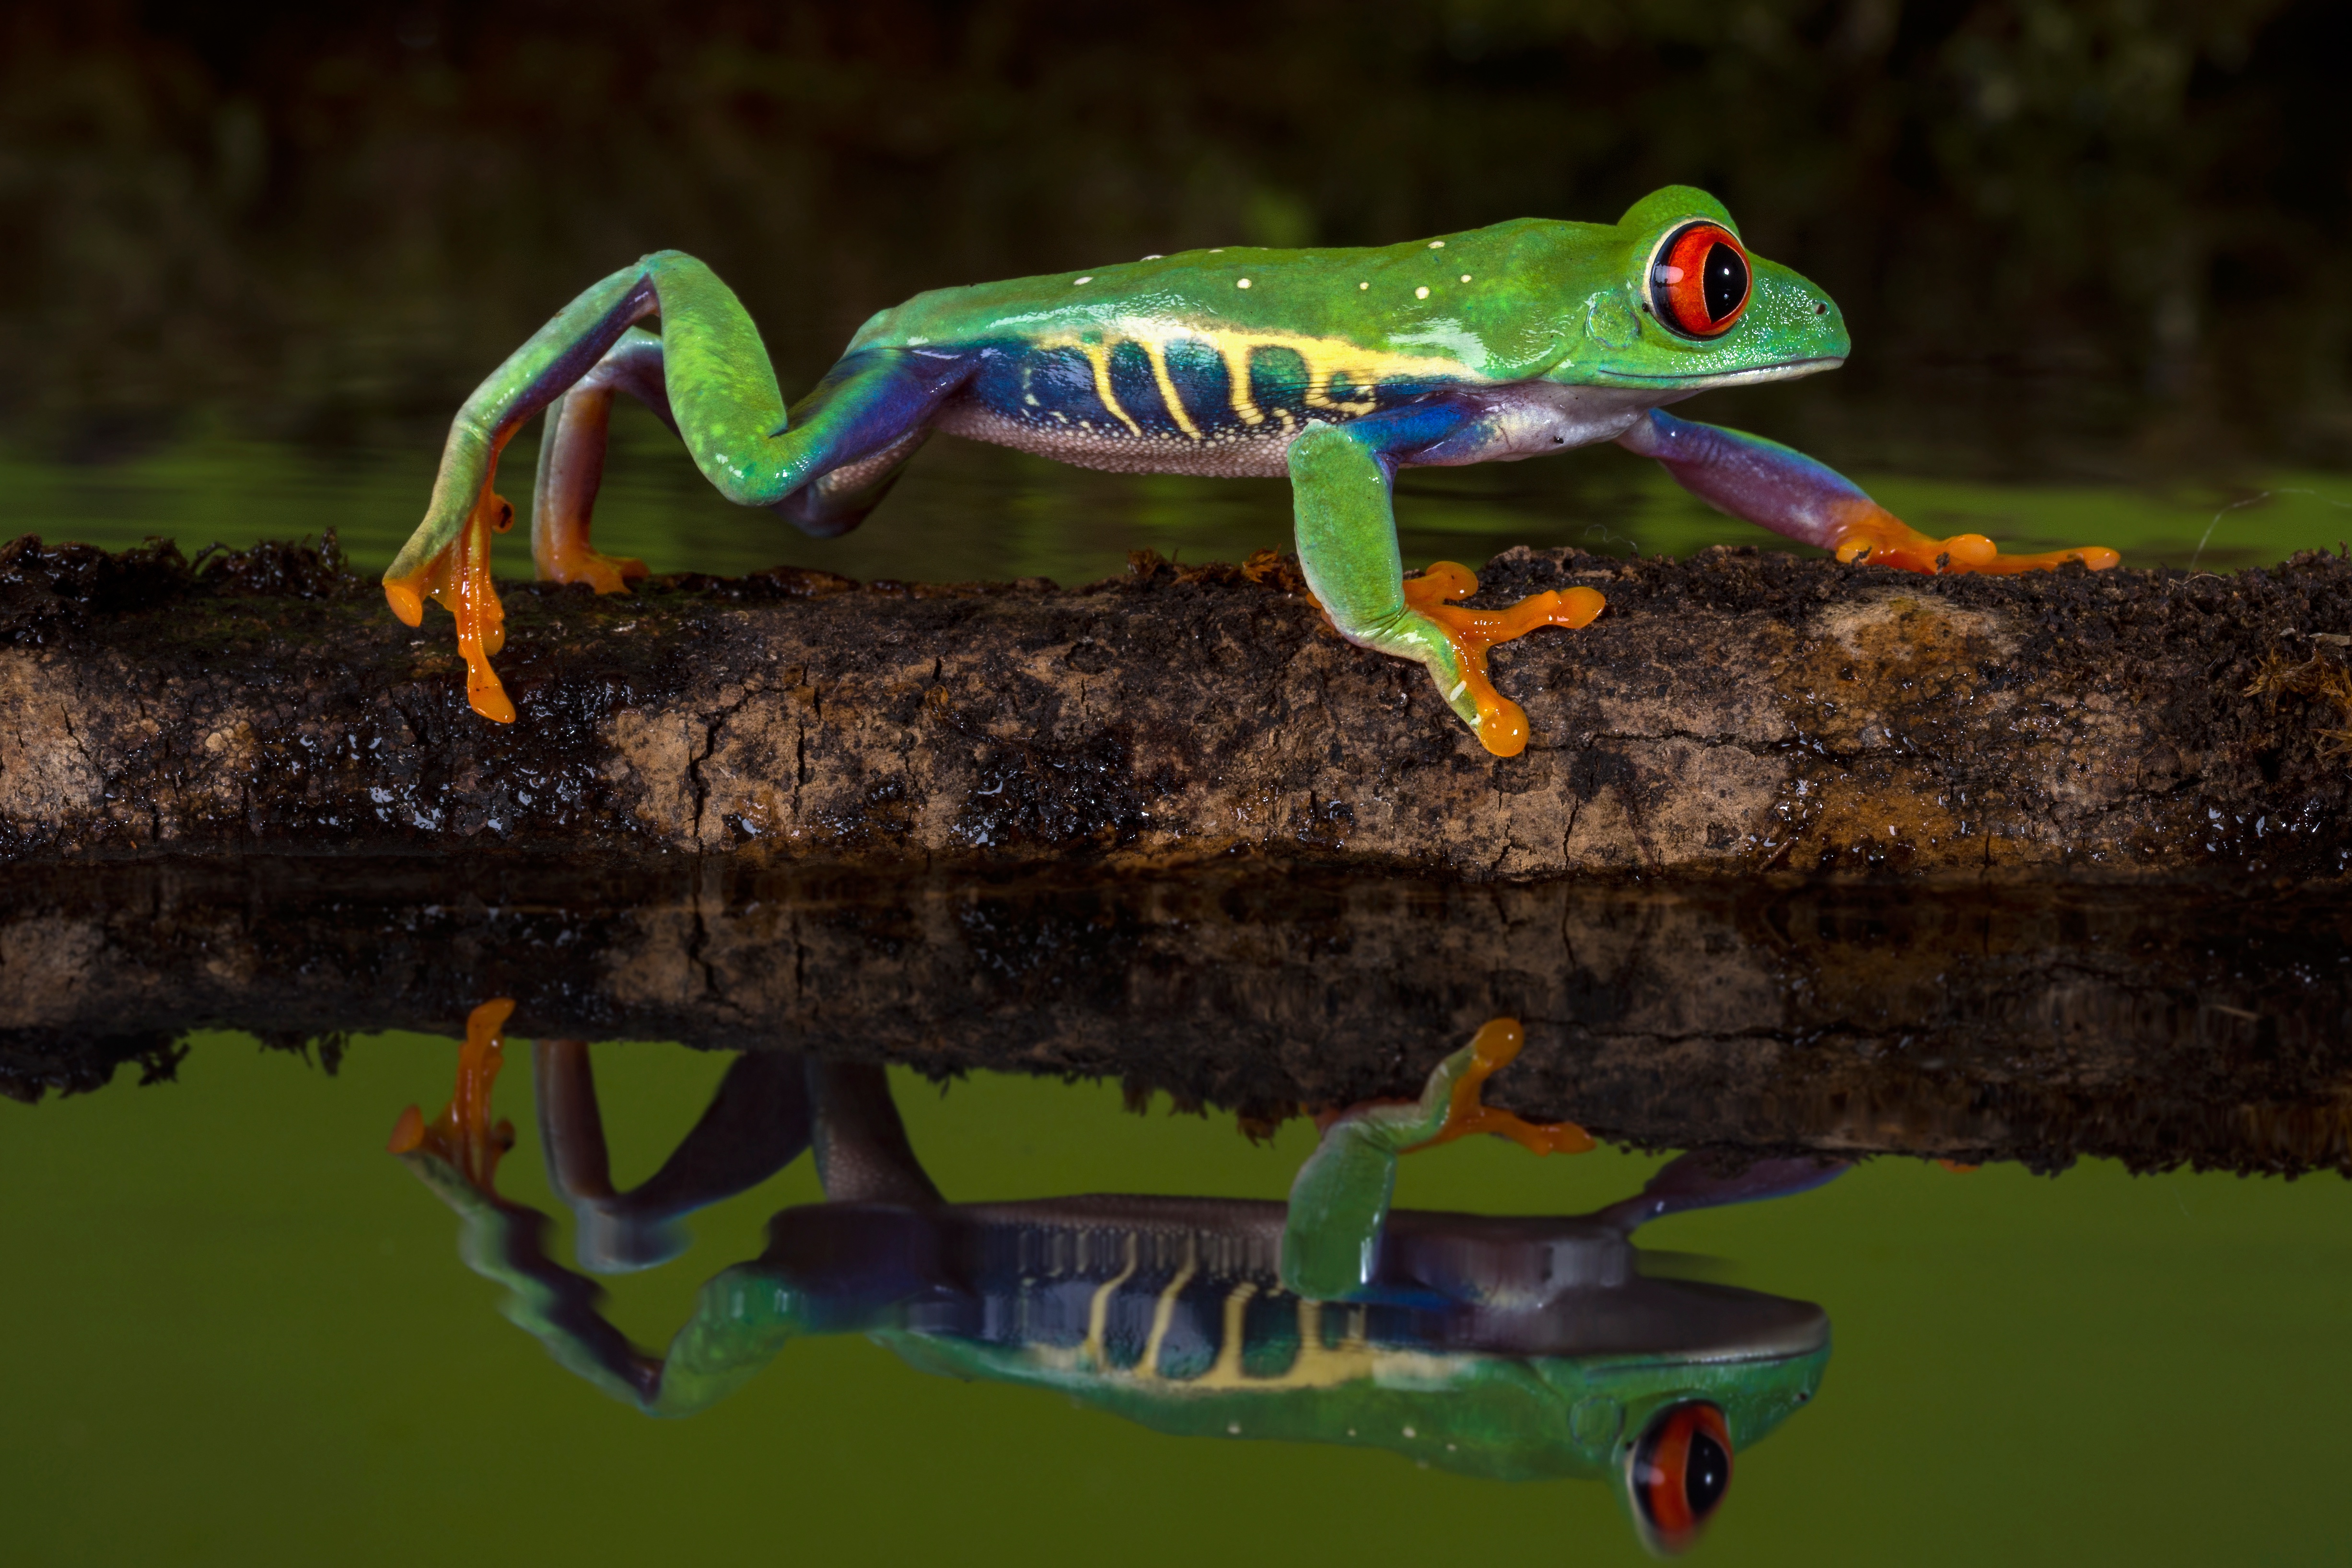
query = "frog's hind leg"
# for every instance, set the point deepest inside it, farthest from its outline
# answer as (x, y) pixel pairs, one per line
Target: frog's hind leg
(1341, 477)
(572, 455)
(721, 394)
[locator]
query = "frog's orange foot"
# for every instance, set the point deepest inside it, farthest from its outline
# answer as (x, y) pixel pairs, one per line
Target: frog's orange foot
(1877, 536)
(463, 1134)
(1501, 724)
(1491, 1050)
(459, 579)
(604, 573)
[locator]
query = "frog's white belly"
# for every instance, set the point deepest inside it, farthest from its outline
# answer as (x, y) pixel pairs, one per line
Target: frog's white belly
(1526, 419)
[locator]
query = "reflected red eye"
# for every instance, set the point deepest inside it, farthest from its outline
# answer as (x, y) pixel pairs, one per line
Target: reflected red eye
(1700, 284)
(1681, 1471)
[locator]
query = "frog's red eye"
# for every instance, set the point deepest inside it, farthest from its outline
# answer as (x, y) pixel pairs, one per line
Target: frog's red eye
(1699, 283)
(1682, 1468)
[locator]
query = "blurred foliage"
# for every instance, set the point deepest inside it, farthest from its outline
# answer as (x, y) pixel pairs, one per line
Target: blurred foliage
(2067, 235)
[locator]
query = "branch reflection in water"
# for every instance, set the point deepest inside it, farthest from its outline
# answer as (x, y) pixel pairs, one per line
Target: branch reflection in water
(1509, 1348)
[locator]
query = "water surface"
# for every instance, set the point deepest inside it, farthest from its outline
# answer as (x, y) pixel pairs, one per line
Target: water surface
(969, 512)
(243, 1333)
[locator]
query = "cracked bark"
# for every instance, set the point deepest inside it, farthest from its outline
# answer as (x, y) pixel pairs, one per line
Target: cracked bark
(1739, 713)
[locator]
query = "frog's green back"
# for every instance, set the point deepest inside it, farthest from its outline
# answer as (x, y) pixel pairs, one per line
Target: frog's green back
(1492, 304)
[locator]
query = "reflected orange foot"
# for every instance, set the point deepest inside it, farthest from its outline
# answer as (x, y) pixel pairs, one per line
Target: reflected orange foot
(464, 1135)
(1877, 536)
(1502, 724)
(570, 562)
(459, 579)
(1491, 1050)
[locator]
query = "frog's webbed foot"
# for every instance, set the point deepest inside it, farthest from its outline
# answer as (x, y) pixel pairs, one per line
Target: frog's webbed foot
(1457, 658)
(1869, 532)
(457, 577)
(1461, 1079)
(463, 1136)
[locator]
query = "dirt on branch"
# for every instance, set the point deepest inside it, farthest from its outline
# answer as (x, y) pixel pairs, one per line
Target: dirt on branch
(1740, 713)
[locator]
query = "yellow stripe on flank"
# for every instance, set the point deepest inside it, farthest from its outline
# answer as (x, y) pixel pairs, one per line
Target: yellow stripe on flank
(1318, 395)
(1098, 1312)
(1237, 356)
(1317, 1365)
(1329, 361)
(1157, 354)
(1098, 355)
(1227, 1367)
(1163, 1310)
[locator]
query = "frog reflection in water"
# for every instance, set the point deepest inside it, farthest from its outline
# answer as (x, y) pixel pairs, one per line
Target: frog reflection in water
(1333, 368)
(1509, 1348)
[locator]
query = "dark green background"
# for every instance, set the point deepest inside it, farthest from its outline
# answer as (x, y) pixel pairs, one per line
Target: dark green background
(2084, 238)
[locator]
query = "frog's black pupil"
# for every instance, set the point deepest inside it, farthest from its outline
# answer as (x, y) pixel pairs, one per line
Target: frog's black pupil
(1708, 1470)
(1725, 279)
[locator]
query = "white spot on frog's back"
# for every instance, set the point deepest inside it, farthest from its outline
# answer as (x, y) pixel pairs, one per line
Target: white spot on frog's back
(1075, 281)
(1437, 244)
(1242, 283)
(1420, 293)
(1447, 337)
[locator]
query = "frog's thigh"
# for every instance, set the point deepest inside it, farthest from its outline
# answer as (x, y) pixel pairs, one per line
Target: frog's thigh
(872, 410)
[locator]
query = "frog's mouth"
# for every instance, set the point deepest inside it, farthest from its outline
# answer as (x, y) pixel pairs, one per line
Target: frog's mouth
(1789, 370)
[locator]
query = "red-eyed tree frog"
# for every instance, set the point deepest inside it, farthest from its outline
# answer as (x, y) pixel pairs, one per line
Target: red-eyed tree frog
(1513, 1349)
(1334, 367)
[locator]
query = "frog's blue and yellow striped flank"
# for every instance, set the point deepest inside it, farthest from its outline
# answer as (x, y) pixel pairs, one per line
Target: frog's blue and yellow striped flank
(1515, 1349)
(1332, 367)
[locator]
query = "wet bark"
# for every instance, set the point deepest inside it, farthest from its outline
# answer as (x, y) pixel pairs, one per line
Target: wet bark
(2155, 1025)
(1742, 713)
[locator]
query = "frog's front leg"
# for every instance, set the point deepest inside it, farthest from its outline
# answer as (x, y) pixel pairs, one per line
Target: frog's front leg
(720, 392)
(1339, 1202)
(1342, 478)
(1782, 489)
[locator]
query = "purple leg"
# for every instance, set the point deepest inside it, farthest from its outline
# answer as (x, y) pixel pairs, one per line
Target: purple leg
(1781, 488)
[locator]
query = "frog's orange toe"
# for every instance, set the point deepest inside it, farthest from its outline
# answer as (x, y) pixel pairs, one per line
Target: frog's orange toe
(1501, 724)
(1876, 536)
(1494, 1048)
(459, 578)
(604, 573)
(463, 1134)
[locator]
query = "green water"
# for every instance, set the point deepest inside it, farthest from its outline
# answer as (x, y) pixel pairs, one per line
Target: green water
(1043, 520)
(240, 1332)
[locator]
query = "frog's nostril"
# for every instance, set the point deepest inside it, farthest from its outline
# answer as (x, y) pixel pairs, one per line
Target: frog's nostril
(1820, 307)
